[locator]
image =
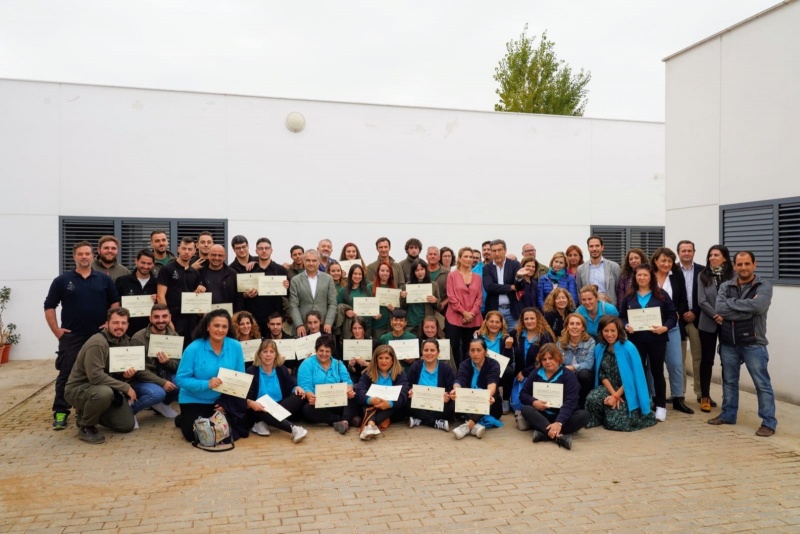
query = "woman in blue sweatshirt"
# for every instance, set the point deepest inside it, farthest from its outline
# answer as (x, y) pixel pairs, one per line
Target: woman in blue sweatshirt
(478, 372)
(383, 370)
(432, 372)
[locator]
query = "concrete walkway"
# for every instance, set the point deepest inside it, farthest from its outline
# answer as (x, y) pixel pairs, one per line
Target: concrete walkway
(683, 475)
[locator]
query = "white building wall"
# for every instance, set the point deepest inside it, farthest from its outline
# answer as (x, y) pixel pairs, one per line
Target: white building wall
(355, 173)
(731, 137)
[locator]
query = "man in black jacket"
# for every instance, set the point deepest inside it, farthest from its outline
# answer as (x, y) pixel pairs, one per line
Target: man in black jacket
(501, 284)
(139, 283)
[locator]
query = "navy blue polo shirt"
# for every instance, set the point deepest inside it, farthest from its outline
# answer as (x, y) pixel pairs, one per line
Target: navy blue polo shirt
(84, 301)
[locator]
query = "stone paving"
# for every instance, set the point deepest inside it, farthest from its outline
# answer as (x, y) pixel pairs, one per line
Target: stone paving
(682, 475)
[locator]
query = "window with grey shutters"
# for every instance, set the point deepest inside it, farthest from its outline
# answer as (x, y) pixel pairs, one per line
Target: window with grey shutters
(618, 239)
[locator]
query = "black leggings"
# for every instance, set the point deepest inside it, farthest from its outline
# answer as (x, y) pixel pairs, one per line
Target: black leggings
(293, 404)
(654, 351)
(459, 340)
(429, 417)
(190, 412)
(328, 416)
(586, 380)
(708, 348)
(540, 420)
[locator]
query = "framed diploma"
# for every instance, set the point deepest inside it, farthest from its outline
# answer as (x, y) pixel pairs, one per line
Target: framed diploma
(366, 306)
(346, 264)
(120, 359)
(286, 348)
(273, 408)
(227, 306)
(249, 348)
(195, 302)
(474, 401)
(357, 348)
(388, 296)
(445, 352)
(418, 293)
(330, 395)
(172, 346)
(406, 349)
(269, 286)
(247, 281)
(499, 358)
(642, 319)
(234, 383)
(428, 398)
(552, 394)
(389, 393)
(304, 346)
(138, 305)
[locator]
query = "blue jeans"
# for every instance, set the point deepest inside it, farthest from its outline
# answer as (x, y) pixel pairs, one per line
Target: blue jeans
(147, 394)
(674, 362)
(511, 321)
(756, 358)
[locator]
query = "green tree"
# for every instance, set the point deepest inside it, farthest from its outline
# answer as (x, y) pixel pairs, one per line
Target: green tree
(534, 80)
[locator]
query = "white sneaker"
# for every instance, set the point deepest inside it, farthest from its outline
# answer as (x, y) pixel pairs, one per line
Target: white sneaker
(298, 433)
(135, 423)
(661, 414)
(522, 423)
(461, 431)
(165, 410)
(369, 432)
(442, 424)
(412, 422)
(478, 430)
(260, 428)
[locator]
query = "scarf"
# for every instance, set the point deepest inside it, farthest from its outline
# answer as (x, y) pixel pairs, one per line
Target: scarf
(556, 275)
(716, 273)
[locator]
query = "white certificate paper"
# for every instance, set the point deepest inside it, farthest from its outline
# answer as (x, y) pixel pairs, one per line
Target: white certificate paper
(330, 395)
(195, 302)
(273, 408)
(286, 348)
(357, 348)
(138, 305)
(389, 393)
(249, 348)
(234, 383)
(247, 281)
(346, 264)
(172, 346)
(121, 359)
(304, 346)
(444, 349)
(418, 293)
(552, 394)
(406, 349)
(388, 296)
(499, 358)
(227, 306)
(269, 286)
(366, 306)
(428, 398)
(475, 401)
(644, 318)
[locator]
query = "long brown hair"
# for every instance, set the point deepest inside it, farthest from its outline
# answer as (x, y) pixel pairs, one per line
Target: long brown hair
(372, 369)
(541, 324)
(377, 283)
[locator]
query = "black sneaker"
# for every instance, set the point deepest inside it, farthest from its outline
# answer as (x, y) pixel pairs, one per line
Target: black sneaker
(341, 427)
(60, 420)
(564, 440)
(89, 434)
(539, 436)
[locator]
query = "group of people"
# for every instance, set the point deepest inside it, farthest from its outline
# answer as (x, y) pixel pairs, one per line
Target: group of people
(561, 347)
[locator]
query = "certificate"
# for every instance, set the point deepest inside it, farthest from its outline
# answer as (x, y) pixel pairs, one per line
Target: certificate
(286, 348)
(304, 346)
(227, 306)
(474, 401)
(644, 318)
(330, 395)
(273, 408)
(249, 348)
(499, 358)
(428, 398)
(389, 393)
(388, 296)
(357, 348)
(121, 359)
(552, 394)
(444, 349)
(269, 286)
(247, 281)
(418, 293)
(366, 306)
(234, 383)
(406, 349)
(195, 302)
(138, 306)
(172, 346)
(346, 264)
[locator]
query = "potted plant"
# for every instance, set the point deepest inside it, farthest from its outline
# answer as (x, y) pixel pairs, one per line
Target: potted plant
(7, 335)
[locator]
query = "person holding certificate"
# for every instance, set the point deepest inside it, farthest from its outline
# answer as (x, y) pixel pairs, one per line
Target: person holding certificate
(416, 311)
(350, 252)
(321, 368)
(358, 330)
(272, 379)
(620, 400)
(430, 330)
(549, 399)
(214, 348)
(495, 333)
(431, 372)
(464, 296)
(650, 339)
(357, 287)
(578, 348)
(557, 306)
(384, 277)
(593, 309)
(478, 372)
(335, 270)
(383, 370)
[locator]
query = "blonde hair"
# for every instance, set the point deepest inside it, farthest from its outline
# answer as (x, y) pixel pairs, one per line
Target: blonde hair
(484, 330)
(550, 301)
(559, 255)
(279, 359)
(564, 339)
(591, 288)
(372, 369)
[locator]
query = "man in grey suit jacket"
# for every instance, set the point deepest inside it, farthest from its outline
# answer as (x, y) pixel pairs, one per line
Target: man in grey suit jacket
(590, 272)
(312, 290)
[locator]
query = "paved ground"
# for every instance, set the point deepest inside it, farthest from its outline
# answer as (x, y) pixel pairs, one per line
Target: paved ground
(682, 475)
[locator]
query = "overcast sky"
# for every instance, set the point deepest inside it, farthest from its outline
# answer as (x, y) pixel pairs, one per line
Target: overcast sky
(417, 53)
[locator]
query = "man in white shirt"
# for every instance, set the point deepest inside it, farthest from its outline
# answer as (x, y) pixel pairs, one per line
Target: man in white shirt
(599, 271)
(312, 290)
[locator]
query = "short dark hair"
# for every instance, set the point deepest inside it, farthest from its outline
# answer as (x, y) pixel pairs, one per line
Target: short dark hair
(741, 252)
(80, 244)
(205, 232)
(264, 240)
(145, 252)
(399, 313)
(275, 315)
(157, 231)
(595, 237)
(123, 312)
(159, 307)
(486, 243)
(238, 240)
(498, 242)
(187, 241)
(381, 240)
(296, 247)
(325, 341)
(605, 321)
(413, 242)
(684, 242)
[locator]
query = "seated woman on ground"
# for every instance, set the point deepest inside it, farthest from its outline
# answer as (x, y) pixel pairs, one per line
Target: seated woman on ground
(578, 348)
(620, 400)
(478, 372)
(558, 422)
(432, 372)
(271, 378)
(383, 370)
(557, 306)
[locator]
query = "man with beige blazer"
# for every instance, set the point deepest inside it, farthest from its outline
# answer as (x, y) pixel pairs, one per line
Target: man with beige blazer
(312, 290)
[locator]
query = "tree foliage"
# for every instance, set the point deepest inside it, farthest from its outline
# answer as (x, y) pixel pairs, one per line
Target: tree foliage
(534, 80)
